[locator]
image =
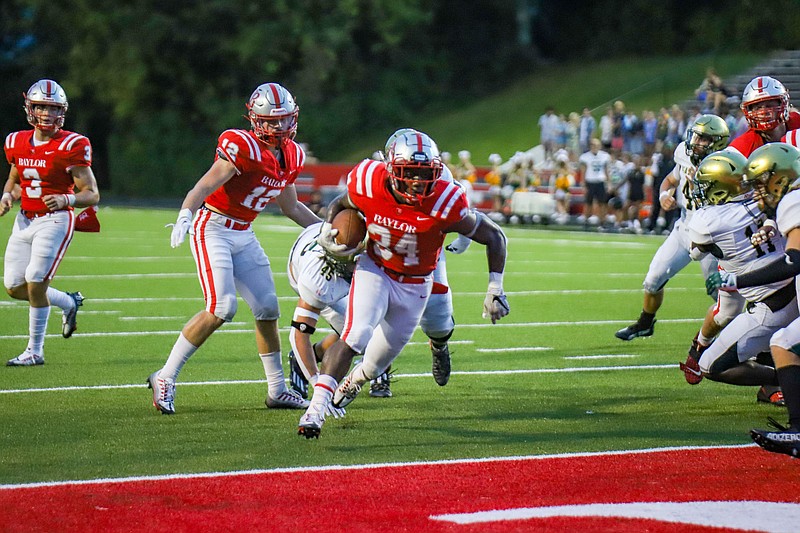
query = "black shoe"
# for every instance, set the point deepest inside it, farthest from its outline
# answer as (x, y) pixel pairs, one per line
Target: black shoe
(441, 364)
(635, 330)
(380, 386)
(771, 394)
(779, 440)
(297, 380)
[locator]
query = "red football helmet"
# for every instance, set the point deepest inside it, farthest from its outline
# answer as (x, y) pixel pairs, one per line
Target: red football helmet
(272, 113)
(414, 165)
(765, 103)
(46, 93)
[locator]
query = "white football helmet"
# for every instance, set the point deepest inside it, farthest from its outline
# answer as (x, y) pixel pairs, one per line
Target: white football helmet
(49, 93)
(414, 165)
(272, 113)
(763, 89)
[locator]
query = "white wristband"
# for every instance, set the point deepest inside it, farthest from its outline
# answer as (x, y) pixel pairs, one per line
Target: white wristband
(496, 281)
(185, 213)
(664, 194)
(9, 196)
(70, 199)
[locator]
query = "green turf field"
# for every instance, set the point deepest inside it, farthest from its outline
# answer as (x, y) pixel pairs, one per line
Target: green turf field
(549, 378)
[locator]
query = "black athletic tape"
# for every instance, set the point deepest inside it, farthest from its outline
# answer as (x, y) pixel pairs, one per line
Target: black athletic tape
(302, 327)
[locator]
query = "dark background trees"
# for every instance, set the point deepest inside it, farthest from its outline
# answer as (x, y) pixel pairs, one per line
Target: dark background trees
(152, 83)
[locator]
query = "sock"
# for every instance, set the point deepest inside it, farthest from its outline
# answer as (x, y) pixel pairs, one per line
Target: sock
(789, 378)
(37, 327)
(358, 375)
(181, 352)
(323, 392)
(273, 369)
(702, 339)
(60, 299)
(646, 319)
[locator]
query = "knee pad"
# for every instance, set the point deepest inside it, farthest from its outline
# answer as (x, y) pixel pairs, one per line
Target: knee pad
(653, 285)
(268, 311)
(226, 308)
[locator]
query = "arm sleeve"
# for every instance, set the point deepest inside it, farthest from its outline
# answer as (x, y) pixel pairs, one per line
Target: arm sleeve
(779, 270)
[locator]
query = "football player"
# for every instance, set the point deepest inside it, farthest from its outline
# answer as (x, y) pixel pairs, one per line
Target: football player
(250, 169)
(51, 172)
(408, 211)
(724, 228)
(774, 172)
(708, 134)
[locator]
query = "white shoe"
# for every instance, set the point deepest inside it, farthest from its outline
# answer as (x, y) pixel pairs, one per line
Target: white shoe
(345, 393)
(26, 358)
(310, 424)
(288, 399)
(69, 319)
(163, 393)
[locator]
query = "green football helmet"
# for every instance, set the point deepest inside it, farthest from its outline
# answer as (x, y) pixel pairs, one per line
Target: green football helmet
(772, 171)
(708, 134)
(720, 178)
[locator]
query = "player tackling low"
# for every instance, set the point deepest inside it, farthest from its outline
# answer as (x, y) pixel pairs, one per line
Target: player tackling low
(407, 211)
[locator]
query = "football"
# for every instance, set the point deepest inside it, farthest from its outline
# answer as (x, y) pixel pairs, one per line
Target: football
(352, 227)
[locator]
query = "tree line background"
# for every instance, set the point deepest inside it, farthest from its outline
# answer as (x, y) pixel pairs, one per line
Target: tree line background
(153, 83)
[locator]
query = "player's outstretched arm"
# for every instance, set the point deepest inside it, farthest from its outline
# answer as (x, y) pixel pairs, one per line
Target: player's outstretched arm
(295, 210)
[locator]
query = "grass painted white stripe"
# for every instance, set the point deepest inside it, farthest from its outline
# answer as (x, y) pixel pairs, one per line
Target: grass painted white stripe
(425, 375)
(515, 349)
(606, 356)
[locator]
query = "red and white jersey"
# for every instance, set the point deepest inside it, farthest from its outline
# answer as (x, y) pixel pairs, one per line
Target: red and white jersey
(792, 137)
(45, 169)
(404, 238)
(749, 141)
(259, 176)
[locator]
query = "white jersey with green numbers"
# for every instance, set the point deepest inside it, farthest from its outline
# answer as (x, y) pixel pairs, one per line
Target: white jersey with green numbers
(729, 227)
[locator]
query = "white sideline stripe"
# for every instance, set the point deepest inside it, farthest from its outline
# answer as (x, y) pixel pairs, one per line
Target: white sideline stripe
(426, 375)
(425, 343)
(334, 468)
(284, 329)
(281, 273)
(606, 356)
(515, 349)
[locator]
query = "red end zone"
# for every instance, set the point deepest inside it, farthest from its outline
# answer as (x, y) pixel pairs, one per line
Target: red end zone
(405, 498)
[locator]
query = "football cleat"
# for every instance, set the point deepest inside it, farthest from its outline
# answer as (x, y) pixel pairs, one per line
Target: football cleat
(26, 358)
(69, 319)
(635, 330)
(441, 364)
(297, 380)
(780, 440)
(379, 387)
(288, 399)
(771, 394)
(691, 371)
(345, 393)
(163, 393)
(310, 424)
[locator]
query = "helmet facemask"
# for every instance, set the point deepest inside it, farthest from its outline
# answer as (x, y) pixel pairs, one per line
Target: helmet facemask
(719, 179)
(773, 170)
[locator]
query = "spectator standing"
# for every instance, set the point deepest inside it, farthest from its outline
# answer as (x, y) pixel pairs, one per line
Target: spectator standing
(585, 130)
(594, 165)
(549, 125)
(649, 130)
(50, 173)
(606, 129)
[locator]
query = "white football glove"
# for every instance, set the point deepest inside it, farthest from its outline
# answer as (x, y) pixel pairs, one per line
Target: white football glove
(181, 227)
(765, 233)
(326, 240)
(721, 280)
(459, 245)
(495, 305)
(335, 412)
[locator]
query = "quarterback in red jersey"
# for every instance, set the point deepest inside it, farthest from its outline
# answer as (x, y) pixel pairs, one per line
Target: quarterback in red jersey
(766, 107)
(250, 169)
(51, 173)
(408, 210)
